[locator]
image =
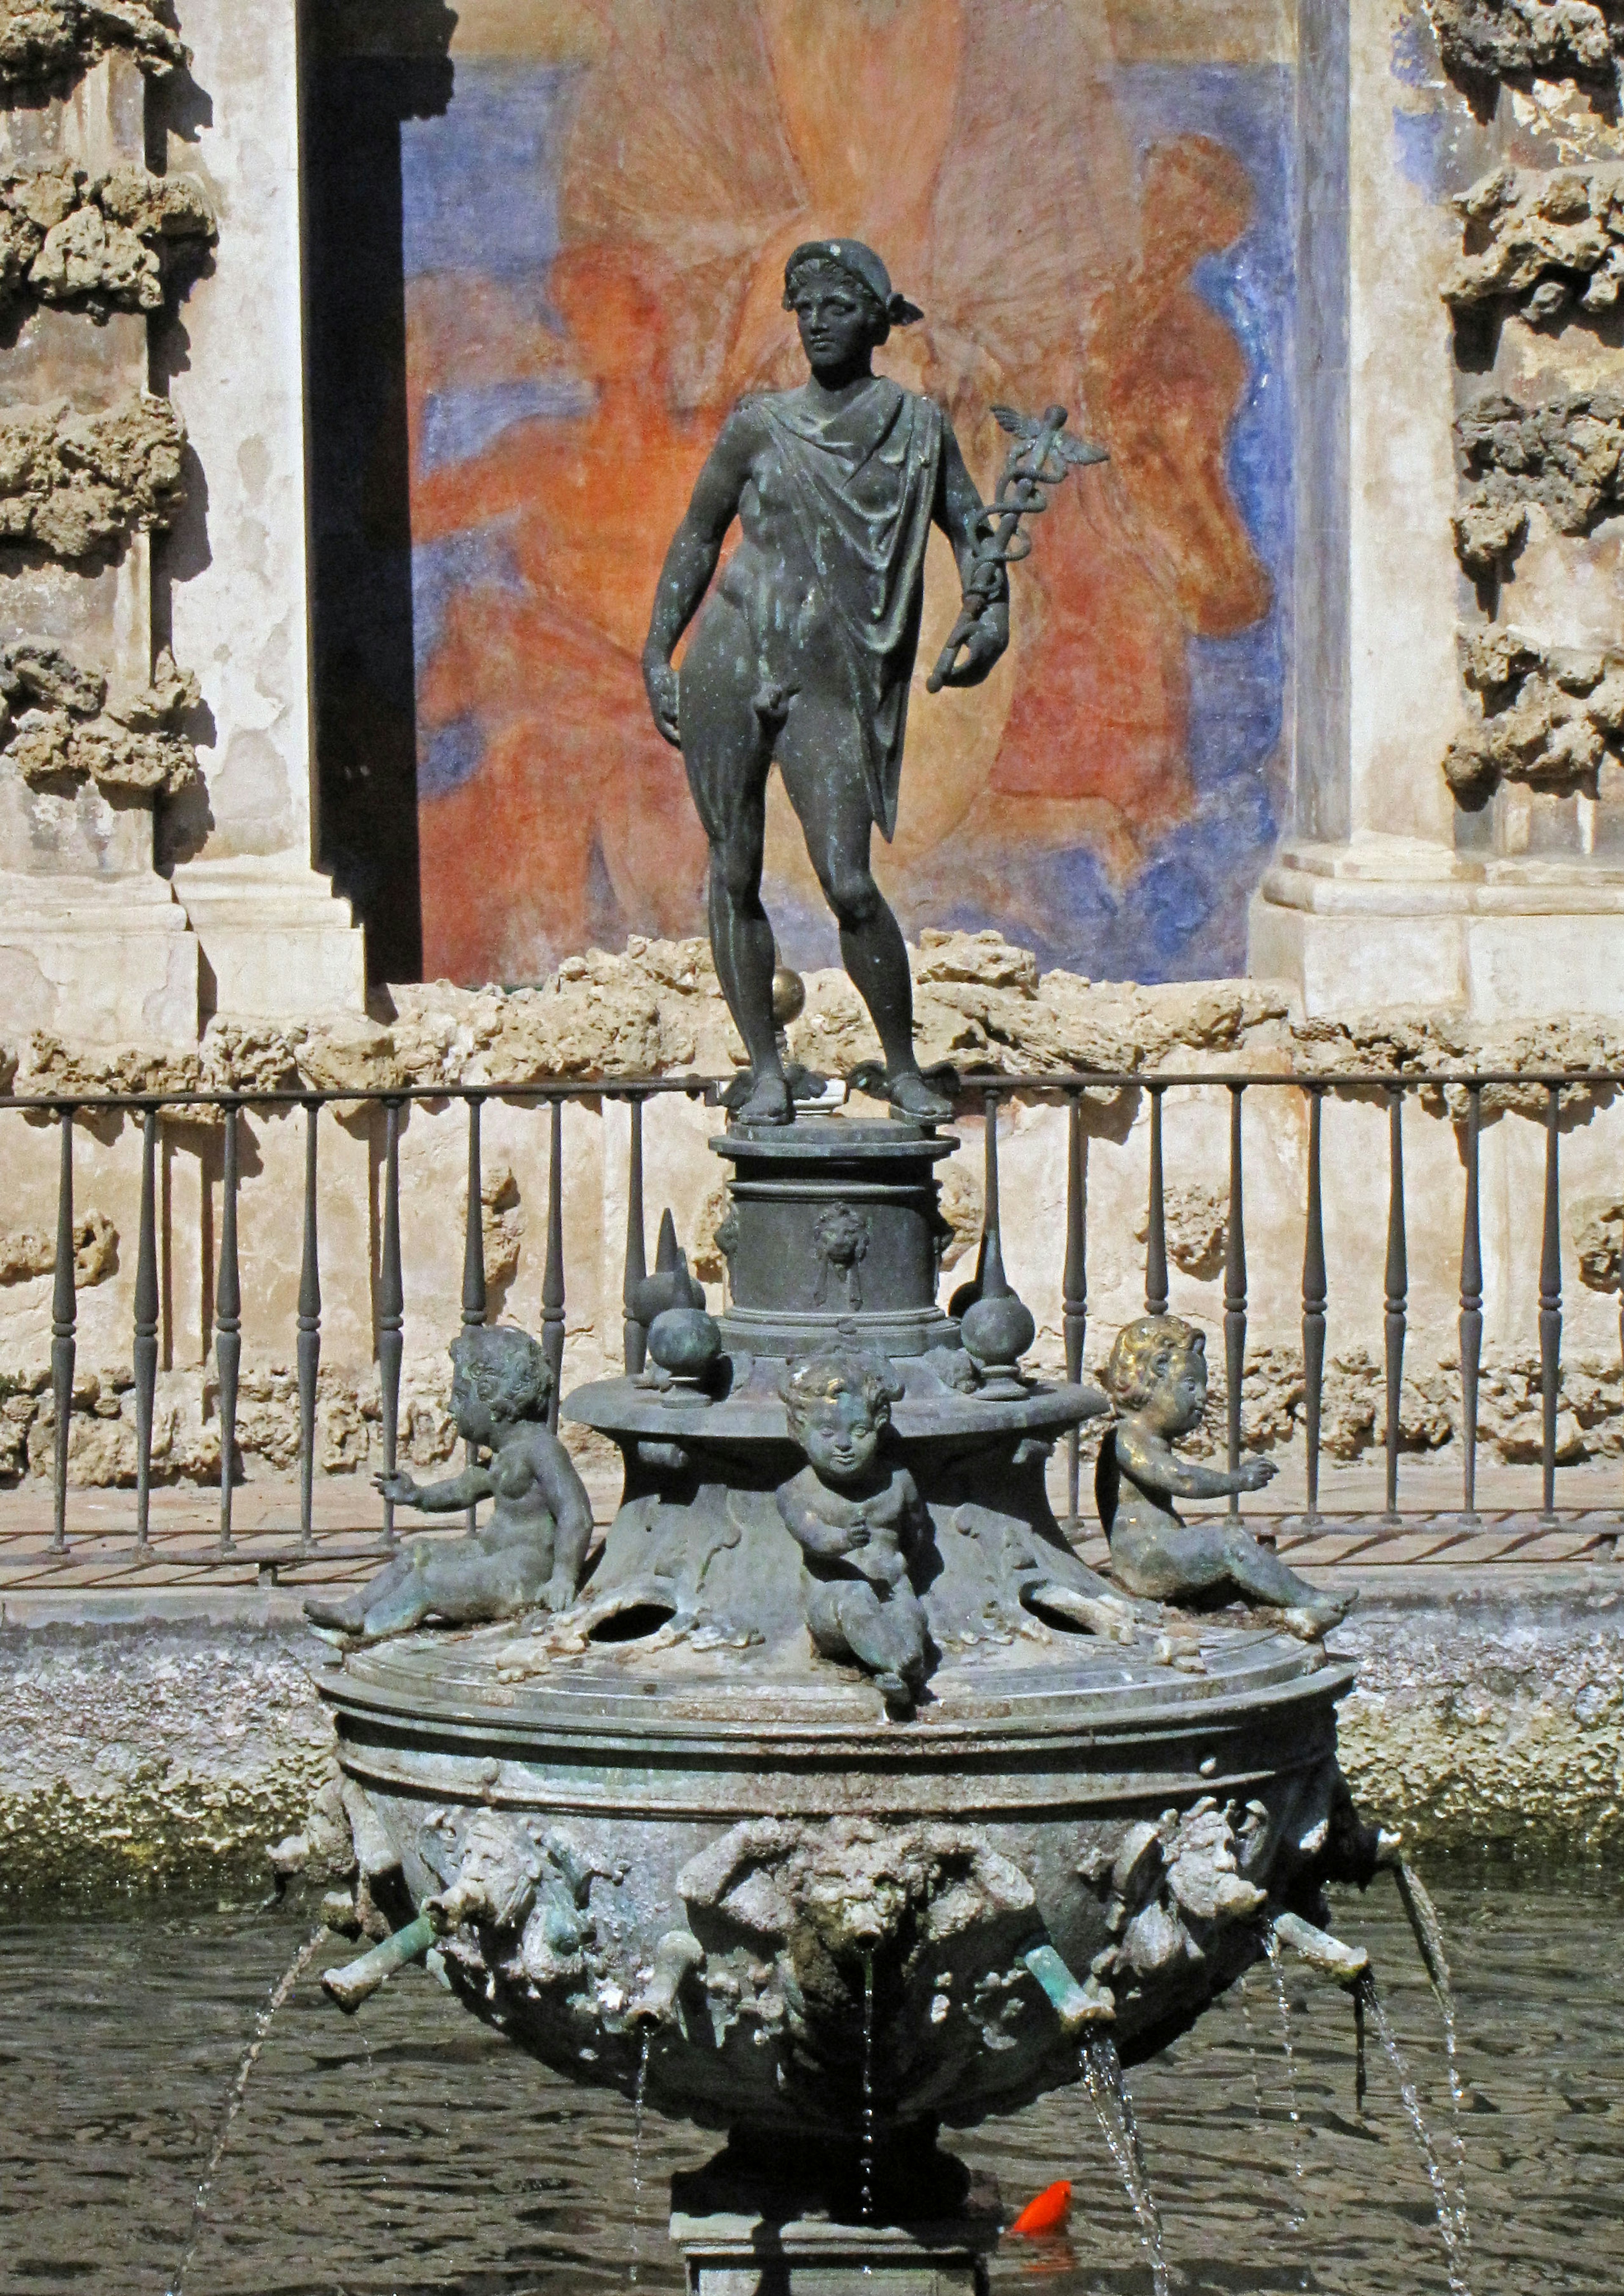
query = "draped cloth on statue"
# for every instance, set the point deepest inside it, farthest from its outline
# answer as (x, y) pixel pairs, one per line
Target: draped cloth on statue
(862, 482)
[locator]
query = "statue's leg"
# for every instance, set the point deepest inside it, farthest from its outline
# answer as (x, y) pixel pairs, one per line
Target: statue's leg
(727, 751)
(820, 754)
(1263, 1578)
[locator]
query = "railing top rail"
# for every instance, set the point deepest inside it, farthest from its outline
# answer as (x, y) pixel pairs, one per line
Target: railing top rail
(972, 1083)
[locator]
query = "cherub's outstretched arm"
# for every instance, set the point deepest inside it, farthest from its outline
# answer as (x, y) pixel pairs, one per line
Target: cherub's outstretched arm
(438, 1499)
(1151, 1462)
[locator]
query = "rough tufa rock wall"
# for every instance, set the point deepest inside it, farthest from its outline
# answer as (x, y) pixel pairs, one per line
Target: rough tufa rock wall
(77, 485)
(44, 42)
(1563, 453)
(1486, 40)
(56, 724)
(100, 243)
(1549, 716)
(1548, 245)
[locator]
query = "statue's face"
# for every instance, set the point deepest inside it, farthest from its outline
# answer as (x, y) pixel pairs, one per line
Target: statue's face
(1179, 1397)
(840, 1435)
(836, 320)
(471, 1408)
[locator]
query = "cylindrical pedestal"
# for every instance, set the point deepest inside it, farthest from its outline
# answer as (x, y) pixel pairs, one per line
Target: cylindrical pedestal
(834, 1226)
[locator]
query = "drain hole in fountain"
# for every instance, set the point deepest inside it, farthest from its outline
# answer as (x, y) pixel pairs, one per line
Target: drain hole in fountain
(1050, 1604)
(632, 1623)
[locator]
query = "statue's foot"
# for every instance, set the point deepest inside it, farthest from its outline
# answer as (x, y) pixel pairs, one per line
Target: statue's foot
(1311, 1622)
(898, 1694)
(910, 1096)
(768, 1102)
(346, 1613)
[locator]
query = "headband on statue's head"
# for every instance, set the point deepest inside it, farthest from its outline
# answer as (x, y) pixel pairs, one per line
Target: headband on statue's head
(861, 267)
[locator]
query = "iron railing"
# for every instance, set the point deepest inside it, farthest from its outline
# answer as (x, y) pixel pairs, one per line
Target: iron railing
(278, 1551)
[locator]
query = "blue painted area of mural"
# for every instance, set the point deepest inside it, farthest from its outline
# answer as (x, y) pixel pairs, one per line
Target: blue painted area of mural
(459, 424)
(479, 559)
(479, 181)
(449, 755)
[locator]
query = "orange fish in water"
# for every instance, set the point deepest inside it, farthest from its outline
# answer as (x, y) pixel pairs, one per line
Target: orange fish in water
(1047, 2212)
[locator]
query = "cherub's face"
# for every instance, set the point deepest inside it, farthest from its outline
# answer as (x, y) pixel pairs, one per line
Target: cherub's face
(1178, 1397)
(836, 320)
(476, 1422)
(840, 1435)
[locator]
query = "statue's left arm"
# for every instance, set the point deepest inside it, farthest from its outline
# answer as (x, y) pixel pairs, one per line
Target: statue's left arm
(566, 1495)
(958, 513)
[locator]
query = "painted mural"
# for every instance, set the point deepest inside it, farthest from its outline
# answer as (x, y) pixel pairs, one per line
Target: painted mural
(1091, 205)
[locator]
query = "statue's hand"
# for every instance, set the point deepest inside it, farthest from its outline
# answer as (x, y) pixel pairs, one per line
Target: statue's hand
(399, 1487)
(660, 683)
(559, 1593)
(1251, 1474)
(985, 642)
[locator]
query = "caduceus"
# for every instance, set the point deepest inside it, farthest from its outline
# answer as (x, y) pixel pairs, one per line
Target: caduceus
(1044, 452)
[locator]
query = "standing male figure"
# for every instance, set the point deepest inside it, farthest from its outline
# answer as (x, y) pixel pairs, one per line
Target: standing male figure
(804, 652)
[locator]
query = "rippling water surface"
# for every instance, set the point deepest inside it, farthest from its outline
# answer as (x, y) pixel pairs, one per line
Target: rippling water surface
(408, 2150)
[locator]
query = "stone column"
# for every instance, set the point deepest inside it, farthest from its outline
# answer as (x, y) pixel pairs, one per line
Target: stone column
(275, 942)
(1388, 893)
(92, 944)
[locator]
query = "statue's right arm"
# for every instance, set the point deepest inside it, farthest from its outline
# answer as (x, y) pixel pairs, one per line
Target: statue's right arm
(1152, 1465)
(439, 1498)
(692, 561)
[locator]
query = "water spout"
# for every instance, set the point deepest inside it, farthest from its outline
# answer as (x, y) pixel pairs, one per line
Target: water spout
(1077, 2006)
(1102, 2071)
(356, 1981)
(676, 1957)
(639, 2095)
(235, 2094)
(1452, 2229)
(1428, 1931)
(1298, 2217)
(1347, 1964)
(866, 2170)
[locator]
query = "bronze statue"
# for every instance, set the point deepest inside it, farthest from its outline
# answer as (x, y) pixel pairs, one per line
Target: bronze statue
(1156, 1375)
(803, 655)
(528, 1555)
(857, 1518)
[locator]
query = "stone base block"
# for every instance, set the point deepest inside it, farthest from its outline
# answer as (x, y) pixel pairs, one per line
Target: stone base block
(745, 2254)
(1387, 922)
(277, 944)
(99, 961)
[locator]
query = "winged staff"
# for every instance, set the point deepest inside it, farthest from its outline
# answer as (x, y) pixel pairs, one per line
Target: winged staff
(1044, 452)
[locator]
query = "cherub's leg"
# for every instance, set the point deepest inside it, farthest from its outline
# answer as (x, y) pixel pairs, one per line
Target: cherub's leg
(348, 1611)
(887, 1638)
(1262, 1577)
(820, 755)
(726, 748)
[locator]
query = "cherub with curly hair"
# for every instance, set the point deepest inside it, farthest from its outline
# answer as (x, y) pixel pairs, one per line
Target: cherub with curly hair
(528, 1555)
(858, 1519)
(1156, 1376)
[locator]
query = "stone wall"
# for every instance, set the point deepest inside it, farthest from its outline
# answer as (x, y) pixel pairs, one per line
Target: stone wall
(656, 1009)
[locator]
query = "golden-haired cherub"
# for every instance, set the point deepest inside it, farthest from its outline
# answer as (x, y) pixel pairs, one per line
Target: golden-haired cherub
(1156, 1376)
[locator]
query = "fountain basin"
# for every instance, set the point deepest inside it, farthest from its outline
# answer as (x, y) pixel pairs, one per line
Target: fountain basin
(707, 1857)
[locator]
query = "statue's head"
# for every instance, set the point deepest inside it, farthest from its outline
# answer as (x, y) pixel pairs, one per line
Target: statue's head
(843, 300)
(1156, 1370)
(838, 1401)
(498, 1376)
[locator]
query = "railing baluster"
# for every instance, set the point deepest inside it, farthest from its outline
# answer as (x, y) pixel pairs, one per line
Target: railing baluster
(1313, 1304)
(474, 1258)
(391, 1306)
(1155, 1225)
(1234, 1290)
(635, 1338)
(1397, 1283)
(228, 1325)
(553, 1273)
(1472, 1309)
(308, 1344)
(992, 1218)
(1074, 1290)
(1550, 1306)
(145, 1352)
(64, 1314)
